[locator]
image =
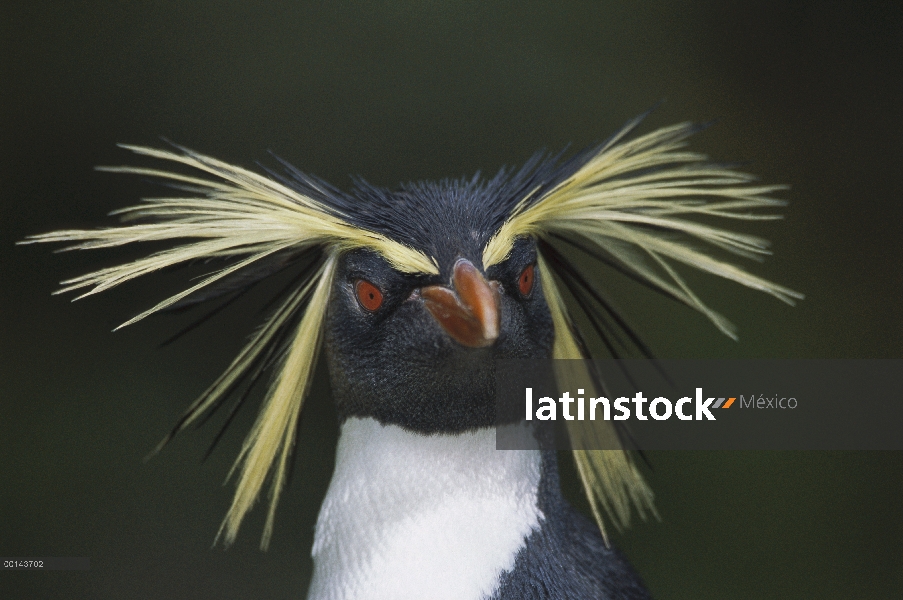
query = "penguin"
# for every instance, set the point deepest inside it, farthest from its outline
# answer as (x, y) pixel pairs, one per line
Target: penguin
(411, 296)
(449, 516)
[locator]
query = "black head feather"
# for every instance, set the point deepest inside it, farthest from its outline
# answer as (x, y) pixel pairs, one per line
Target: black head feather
(444, 219)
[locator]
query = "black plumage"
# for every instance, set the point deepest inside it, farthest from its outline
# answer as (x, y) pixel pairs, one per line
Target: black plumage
(567, 557)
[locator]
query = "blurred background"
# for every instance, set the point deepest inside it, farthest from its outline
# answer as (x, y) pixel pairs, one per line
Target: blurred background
(808, 92)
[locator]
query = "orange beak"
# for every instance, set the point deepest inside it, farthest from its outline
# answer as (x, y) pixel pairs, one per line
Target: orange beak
(470, 312)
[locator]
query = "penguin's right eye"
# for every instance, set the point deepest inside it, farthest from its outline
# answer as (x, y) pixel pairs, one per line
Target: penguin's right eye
(525, 281)
(368, 295)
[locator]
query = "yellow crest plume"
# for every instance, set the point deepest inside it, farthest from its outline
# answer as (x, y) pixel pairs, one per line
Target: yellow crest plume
(636, 205)
(240, 215)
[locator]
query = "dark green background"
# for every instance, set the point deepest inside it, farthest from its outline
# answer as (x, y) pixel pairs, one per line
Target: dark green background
(809, 92)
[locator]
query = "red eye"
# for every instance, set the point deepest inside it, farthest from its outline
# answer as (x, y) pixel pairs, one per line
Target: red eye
(525, 281)
(368, 295)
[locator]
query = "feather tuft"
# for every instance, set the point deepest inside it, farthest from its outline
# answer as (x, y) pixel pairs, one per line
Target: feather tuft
(640, 203)
(610, 479)
(273, 436)
(641, 206)
(259, 225)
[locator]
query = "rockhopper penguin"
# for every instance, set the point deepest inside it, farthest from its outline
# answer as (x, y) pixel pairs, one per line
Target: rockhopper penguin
(412, 295)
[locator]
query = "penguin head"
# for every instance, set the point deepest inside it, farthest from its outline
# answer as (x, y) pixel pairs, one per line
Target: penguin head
(419, 350)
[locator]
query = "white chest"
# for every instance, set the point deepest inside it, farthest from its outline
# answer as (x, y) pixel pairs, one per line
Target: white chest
(413, 516)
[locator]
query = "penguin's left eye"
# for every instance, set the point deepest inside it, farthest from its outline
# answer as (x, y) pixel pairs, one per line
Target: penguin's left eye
(525, 281)
(369, 296)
